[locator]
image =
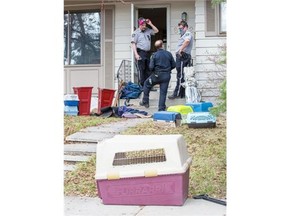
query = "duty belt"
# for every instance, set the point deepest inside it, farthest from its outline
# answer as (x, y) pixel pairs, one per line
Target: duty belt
(138, 49)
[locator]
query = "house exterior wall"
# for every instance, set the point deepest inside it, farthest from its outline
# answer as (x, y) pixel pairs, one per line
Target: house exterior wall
(123, 30)
(208, 74)
(122, 35)
(82, 76)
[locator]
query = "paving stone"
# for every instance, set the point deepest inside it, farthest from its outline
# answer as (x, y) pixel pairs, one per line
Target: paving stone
(81, 148)
(69, 167)
(97, 133)
(93, 137)
(76, 158)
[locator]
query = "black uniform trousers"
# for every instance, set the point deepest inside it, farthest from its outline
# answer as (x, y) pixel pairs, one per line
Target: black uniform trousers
(181, 62)
(162, 78)
(143, 65)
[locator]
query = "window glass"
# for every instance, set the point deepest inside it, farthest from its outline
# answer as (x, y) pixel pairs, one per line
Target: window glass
(215, 19)
(210, 16)
(65, 39)
(223, 17)
(82, 38)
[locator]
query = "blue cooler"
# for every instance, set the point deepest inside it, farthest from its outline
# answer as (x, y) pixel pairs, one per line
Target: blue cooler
(200, 107)
(201, 120)
(71, 100)
(71, 110)
(167, 116)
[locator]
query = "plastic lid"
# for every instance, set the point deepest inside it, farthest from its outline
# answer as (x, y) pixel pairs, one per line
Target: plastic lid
(125, 156)
(71, 97)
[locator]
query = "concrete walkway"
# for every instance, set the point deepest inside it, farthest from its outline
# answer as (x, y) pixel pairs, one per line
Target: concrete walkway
(87, 206)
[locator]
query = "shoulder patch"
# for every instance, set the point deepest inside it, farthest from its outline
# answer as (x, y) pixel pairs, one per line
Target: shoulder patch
(133, 35)
(187, 34)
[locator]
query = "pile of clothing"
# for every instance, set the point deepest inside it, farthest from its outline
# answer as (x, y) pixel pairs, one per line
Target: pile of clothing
(122, 112)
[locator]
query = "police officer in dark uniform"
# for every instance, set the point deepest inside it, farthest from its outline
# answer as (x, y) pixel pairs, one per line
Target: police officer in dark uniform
(161, 64)
(141, 44)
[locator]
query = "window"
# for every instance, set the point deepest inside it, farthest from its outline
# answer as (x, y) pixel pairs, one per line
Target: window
(223, 18)
(215, 19)
(82, 43)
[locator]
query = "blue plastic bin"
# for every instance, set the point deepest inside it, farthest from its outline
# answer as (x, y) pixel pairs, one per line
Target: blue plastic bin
(200, 107)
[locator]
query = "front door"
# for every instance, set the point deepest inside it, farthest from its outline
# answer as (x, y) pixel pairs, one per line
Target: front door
(158, 16)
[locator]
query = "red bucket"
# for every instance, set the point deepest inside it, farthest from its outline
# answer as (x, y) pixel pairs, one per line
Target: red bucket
(84, 95)
(105, 98)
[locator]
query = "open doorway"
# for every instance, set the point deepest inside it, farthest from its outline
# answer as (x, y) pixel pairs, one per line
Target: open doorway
(158, 16)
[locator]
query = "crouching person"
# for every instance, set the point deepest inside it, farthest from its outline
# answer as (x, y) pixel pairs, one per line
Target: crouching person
(161, 65)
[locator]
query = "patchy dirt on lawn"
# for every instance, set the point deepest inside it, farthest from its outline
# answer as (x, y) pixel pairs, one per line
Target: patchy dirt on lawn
(207, 146)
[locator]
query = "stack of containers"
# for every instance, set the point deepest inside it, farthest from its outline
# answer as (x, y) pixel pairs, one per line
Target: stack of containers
(200, 117)
(71, 102)
(143, 170)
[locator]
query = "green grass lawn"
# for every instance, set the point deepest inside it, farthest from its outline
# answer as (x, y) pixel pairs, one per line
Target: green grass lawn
(207, 146)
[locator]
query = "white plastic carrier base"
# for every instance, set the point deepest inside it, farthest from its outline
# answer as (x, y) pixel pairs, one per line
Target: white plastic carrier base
(143, 170)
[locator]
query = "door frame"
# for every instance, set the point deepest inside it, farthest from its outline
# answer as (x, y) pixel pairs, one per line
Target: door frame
(134, 15)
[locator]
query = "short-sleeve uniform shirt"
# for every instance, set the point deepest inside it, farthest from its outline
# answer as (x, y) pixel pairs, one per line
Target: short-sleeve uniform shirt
(142, 39)
(186, 36)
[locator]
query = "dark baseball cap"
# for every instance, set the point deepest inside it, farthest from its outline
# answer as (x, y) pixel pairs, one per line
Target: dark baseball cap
(183, 23)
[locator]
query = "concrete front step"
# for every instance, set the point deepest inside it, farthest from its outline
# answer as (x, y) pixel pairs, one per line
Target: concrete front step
(69, 167)
(70, 161)
(76, 158)
(84, 136)
(154, 99)
(80, 149)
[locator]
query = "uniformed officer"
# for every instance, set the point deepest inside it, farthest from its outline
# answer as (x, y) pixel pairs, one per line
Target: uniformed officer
(161, 64)
(183, 57)
(141, 44)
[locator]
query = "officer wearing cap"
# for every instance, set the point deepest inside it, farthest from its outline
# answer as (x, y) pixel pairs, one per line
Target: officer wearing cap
(141, 44)
(161, 63)
(183, 57)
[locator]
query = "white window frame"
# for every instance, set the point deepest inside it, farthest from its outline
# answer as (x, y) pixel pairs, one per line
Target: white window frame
(222, 17)
(219, 19)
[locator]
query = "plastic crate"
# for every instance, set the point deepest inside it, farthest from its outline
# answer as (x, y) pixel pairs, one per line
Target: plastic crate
(71, 110)
(183, 110)
(71, 100)
(200, 107)
(143, 170)
(71, 103)
(71, 97)
(172, 118)
(201, 120)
